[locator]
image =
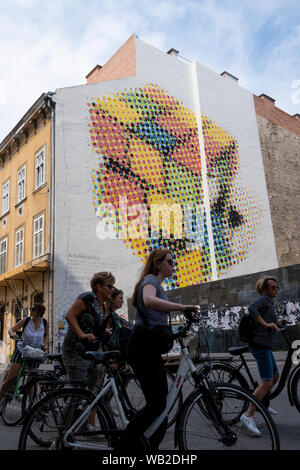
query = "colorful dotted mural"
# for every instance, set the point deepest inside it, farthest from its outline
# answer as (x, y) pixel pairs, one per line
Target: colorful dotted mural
(149, 154)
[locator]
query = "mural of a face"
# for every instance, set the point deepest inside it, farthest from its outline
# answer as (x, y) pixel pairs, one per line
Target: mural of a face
(149, 151)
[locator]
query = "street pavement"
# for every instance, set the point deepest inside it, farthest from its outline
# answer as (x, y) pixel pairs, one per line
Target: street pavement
(287, 420)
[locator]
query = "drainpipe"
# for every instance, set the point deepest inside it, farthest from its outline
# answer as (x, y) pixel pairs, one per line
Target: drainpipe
(50, 105)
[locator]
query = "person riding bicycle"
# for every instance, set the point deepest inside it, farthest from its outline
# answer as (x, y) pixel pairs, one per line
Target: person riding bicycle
(143, 353)
(35, 332)
(261, 345)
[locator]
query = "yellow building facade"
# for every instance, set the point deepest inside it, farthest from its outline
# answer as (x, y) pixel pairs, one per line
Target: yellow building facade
(25, 229)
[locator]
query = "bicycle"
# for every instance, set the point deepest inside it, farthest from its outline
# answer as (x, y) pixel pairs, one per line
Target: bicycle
(209, 418)
(225, 370)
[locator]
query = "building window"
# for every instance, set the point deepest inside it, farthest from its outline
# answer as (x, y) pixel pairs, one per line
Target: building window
(40, 168)
(21, 184)
(38, 236)
(3, 253)
(19, 255)
(5, 197)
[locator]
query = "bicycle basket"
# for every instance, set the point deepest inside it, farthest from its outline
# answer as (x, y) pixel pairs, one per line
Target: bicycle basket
(33, 353)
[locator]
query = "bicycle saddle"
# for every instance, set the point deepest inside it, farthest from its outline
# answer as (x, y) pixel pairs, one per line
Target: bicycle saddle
(237, 351)
(102, 357)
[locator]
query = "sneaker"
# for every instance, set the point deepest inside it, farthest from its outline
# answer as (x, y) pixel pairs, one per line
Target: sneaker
(271, 411)
(250, 425)
(54, 445)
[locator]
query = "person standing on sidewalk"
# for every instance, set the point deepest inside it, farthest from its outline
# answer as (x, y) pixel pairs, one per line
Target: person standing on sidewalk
(261, 345)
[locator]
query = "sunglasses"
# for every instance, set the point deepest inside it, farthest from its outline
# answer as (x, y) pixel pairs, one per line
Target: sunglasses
(110, 286)
(32, 309)
(274, 287)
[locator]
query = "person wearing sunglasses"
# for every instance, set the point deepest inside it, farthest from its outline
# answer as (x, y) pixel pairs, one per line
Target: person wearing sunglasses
(143, 351)
(261, 344)
(85, 318)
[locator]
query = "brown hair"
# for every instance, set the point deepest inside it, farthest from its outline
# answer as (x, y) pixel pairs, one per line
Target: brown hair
(100, 278)
(150, 268)
(262, 283)
(39, 308)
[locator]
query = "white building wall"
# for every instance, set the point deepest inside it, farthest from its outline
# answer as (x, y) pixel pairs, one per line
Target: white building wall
(228, 108)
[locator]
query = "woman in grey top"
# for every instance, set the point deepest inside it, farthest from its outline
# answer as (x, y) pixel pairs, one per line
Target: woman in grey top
(261, 345)
(143, 352)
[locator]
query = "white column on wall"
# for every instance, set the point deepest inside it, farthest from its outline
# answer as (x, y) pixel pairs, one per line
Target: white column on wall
(206, 198)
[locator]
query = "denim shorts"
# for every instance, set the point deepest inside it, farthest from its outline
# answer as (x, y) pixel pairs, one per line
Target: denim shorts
(266, 363)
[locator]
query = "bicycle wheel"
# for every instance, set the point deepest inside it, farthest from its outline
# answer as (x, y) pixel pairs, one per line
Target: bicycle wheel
(49, 419)
(197, 428)
(30, 396)
(226, 373)
(137, 399)
(12, 405)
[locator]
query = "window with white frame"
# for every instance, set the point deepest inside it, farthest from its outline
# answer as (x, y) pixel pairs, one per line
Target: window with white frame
(40, 168)
(19, 251)
(38, 236)
(21, 184)
(3, 253)
(5, 197)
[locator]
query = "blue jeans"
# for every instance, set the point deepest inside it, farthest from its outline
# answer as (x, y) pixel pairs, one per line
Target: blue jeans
(266, 363)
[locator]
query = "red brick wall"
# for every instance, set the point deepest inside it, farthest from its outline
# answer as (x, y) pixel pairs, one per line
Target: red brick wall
(121, 65)
(268, 110)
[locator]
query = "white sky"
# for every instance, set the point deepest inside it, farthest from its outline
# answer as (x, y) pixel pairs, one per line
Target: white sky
(46, 45)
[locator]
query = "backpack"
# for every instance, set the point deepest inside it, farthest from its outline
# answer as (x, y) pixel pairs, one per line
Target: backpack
(121, 332)
(246, 327)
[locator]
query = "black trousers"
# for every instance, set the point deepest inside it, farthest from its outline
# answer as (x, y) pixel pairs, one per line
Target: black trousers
(148, 366)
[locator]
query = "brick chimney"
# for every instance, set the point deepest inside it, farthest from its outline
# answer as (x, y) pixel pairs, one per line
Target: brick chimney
(91, 76)
(173, 52)
(267, 98)
(121, 65)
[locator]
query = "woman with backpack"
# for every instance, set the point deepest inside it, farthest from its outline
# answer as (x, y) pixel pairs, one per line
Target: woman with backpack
(144, 348)
(261, 343)
(35, 332)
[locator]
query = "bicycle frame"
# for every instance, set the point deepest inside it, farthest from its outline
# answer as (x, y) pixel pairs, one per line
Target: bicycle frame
(285, 374)
(284, 378)
(84, 416)
(186, 366)
(19, 376)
